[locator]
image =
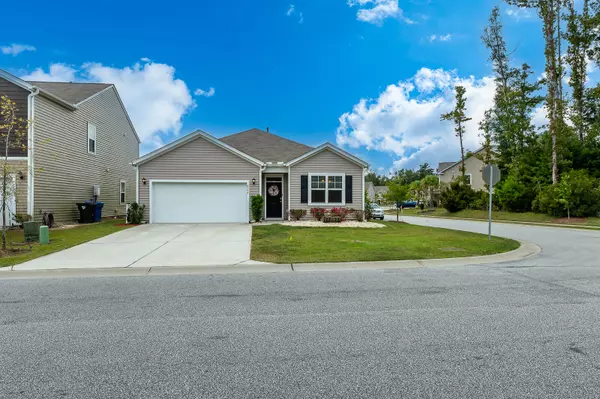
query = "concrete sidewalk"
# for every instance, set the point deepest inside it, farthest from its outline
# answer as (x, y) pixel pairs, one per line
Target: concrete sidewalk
(526, 250)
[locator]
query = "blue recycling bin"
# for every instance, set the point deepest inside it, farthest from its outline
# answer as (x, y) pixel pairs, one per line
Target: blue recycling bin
(98, 211)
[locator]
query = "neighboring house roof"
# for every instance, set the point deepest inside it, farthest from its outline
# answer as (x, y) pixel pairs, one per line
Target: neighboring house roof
(448, 165)
(73, 93)
(369, 186)
(444, 166)
(382, 190)
(190, 137)
(266, 146)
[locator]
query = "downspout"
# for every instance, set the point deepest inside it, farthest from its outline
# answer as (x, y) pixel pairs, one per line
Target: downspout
(363, 190)
(30, 150)
(289, 192)
(260, 175)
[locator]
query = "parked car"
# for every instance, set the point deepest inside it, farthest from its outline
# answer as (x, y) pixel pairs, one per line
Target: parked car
(377, 212)
(407, 204)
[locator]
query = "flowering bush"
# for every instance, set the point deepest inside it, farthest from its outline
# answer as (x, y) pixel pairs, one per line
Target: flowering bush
(339, 212)
(318, 213)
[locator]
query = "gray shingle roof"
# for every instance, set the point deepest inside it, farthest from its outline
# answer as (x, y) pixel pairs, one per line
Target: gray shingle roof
(72, 93)
(266, 146)
(444, 165)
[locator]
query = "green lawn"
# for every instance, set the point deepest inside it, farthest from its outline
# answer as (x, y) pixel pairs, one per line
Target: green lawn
(397, 241)
(500, 215)
(60, 239)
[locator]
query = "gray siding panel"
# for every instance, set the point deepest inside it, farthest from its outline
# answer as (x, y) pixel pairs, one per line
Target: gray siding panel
(326, 162)
(19, 96)
(196, 160)
(64, 170)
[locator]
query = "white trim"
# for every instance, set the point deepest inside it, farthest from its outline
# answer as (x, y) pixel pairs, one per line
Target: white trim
(137, 184)
(16, 81)
(326, 189)
(30, 151)
(152, 181)
(331, 147)
(124, 192)
(362, 198)
(276, 169)
(193, 136)
(470, 178)
(17, 158)
(95, 138)
(289, 197)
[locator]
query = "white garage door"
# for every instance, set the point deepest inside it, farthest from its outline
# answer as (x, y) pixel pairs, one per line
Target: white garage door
(199, 202)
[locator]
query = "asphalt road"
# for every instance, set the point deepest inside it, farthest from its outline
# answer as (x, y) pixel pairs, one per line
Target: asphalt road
(528, 329)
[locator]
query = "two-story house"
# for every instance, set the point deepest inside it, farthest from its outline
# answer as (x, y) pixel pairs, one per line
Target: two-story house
(79, 136)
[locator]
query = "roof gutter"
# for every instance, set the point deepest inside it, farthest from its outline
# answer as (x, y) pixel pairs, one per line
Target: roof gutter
(30, 149)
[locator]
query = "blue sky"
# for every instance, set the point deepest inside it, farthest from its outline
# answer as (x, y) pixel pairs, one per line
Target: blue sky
(295, 69)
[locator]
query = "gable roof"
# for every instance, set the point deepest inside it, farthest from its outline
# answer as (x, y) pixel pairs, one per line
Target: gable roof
(332, 148)
(190, 137)
(448, 165)
(73, 93)
(266, 146)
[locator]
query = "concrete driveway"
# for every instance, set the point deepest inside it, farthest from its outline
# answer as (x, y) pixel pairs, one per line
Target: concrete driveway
(156, 245)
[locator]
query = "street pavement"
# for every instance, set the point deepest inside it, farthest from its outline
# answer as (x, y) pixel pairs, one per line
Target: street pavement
(525, 329)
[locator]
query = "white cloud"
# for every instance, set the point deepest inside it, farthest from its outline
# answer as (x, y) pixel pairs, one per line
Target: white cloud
(155, 100)
(440, 38)
(301, 18)
(56, 73)
(290, 10)
(404, 121)
(16, 49)
(519, 13)
(205, 93)
(376, 11)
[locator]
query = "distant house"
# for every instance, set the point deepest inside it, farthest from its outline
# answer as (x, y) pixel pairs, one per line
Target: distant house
(376, 193)
(449, 171)
(80, 136)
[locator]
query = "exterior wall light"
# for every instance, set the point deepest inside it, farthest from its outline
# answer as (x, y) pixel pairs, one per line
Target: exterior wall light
(254, 181)
(144, 181)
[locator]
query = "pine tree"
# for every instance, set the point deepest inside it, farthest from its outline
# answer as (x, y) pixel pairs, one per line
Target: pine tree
(459, 117)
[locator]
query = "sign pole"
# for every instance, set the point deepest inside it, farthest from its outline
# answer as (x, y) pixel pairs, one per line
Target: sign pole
(490, 206)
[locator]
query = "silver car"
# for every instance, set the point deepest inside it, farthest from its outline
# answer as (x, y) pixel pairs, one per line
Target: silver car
(377, 212)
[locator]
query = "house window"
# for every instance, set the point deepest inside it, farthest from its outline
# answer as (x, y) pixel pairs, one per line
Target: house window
(327, 189)
(91, 138)
(122, 187)
(469, 178)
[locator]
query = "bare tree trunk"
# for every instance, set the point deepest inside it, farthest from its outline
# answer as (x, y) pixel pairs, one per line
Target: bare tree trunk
(462, 153)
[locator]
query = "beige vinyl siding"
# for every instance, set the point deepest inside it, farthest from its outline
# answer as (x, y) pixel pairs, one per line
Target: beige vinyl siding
(14, 167)
(19, 96)
(326, 162)
(473, 166)
(196, 160)
(64, 170)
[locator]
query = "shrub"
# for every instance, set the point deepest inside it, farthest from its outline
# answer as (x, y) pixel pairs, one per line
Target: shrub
(332, 219)
(317, 213)
(577, 194)
(21, 218)
(339, 212)
(256, 206)
(359, 215)
(135, 213)
(368, 214)
(297, 214)
(457, 197)
(514, 195)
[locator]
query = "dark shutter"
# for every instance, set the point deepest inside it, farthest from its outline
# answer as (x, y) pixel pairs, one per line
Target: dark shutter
(304, 189)
(348, 189)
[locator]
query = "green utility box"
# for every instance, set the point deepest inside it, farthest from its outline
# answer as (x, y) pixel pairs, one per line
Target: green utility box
(44, 235)
(32, 231)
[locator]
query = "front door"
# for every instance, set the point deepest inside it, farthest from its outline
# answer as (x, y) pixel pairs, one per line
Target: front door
(274, 200)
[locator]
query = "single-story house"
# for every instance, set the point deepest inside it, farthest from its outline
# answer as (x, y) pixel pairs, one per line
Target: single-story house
(376, 193)
(201, 179)
(449, 171)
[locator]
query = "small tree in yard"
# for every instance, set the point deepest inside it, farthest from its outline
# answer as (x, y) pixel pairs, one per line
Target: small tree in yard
(459, 116)
(13, 130)
(256, 206)
(397, 194)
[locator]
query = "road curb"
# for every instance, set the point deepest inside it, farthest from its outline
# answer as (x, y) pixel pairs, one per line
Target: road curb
(526, 250)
